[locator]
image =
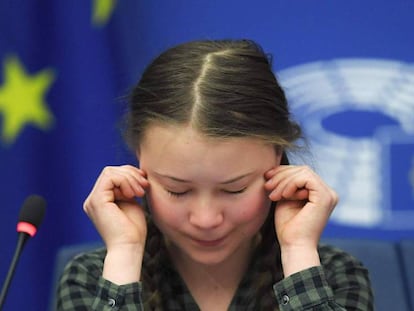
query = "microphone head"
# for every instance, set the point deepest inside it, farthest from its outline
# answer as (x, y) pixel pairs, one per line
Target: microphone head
(31, 214)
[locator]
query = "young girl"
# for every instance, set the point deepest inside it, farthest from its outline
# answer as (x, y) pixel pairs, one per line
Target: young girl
(224, 222)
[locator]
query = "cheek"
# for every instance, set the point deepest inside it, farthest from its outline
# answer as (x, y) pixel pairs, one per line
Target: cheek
(163, 211)
(252, 209)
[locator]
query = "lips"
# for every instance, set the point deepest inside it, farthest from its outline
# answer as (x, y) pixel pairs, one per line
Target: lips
(209, 243)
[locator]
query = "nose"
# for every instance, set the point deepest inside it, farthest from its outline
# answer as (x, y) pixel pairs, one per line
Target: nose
(206, 215)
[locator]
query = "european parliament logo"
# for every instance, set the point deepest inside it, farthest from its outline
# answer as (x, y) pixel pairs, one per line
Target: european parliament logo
(359, 117)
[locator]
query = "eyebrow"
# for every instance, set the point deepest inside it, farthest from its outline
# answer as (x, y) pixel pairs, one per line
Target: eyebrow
(226, 182)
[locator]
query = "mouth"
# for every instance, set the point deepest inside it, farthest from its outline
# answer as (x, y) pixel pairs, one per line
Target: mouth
(209, 243)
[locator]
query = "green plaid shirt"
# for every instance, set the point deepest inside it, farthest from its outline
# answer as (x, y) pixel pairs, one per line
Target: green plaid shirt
(341, 283)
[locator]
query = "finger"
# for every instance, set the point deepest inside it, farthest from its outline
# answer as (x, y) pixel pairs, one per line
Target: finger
(129, 185)
(300, 194)
(281, 184)
(140, 174)
(136, 176)
(119, 196)
(130, 182)
(293, 187)
(134, 212)
(115, 183)
(270, 173)
(274, 175)
(292, 182)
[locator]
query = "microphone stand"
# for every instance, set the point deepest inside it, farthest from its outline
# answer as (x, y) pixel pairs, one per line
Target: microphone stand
(22, 238)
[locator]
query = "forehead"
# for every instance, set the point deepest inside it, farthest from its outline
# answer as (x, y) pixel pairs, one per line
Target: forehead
(184, 149)
(162, 136)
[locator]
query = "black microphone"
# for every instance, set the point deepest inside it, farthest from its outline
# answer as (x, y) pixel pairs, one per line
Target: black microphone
(30, 217)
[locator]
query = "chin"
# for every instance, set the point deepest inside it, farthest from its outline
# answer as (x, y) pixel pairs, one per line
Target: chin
(212, 259)
(204, 256)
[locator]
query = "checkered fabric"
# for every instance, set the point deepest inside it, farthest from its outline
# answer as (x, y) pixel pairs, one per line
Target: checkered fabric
(341, 283)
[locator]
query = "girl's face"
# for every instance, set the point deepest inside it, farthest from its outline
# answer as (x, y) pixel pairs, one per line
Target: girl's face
(206, 195)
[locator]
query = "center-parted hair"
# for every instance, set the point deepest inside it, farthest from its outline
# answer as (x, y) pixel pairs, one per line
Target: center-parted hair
(223, 89)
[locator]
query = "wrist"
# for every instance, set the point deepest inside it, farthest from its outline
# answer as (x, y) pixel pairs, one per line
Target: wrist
(123, 264)
(298, 258)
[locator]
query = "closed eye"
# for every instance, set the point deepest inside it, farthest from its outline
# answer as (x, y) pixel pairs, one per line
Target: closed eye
(235, 192)
(176, 194)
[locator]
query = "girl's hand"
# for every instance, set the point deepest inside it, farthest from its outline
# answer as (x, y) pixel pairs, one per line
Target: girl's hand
(120, 220)
(112, 206)
(304, 204)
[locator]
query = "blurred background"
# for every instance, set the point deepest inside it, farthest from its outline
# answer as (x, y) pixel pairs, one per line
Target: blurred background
(66, 67)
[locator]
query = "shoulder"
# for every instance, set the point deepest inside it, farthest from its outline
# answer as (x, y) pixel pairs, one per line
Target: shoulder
(332, 256)
(90, 262)
(342, 267)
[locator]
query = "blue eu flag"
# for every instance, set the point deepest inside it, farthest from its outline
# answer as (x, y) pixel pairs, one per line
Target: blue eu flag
(64, 68)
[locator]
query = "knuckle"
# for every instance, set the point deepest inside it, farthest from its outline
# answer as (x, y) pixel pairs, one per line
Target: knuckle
(86, 205)
(335, 197)
(307, 171)
(107, 170)
(305, 168)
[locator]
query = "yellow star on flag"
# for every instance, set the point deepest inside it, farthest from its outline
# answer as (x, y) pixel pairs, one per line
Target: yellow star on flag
(102, 11)
(22, 99)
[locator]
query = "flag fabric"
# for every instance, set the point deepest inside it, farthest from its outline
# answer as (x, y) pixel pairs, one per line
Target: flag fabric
(65, 67)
